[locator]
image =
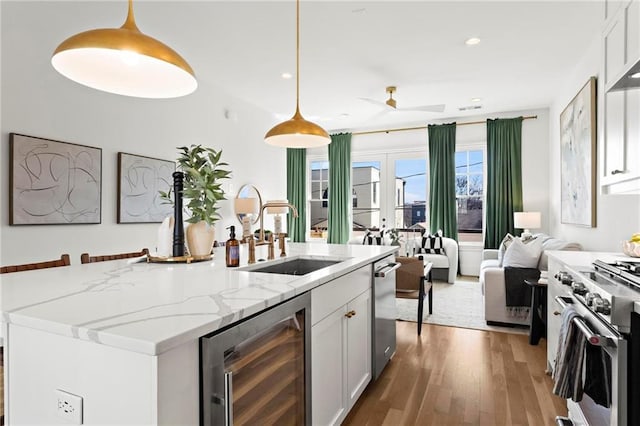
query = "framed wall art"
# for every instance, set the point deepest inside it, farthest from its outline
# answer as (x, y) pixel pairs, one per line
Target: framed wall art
(578, 158)
(53, 182)
(139, 180)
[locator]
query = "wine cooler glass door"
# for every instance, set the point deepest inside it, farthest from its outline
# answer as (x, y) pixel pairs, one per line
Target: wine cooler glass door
(254, 372)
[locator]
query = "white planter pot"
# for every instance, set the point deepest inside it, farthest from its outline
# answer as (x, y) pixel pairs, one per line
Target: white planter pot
(200, 237)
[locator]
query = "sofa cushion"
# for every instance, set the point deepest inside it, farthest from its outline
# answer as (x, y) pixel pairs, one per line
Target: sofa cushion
(552, 243)
(523, 255)
(438, 260)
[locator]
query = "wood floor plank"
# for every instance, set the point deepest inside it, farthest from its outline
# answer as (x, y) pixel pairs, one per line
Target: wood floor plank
(452, 376)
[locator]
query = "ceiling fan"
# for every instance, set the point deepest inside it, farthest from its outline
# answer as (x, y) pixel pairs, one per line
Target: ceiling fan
(390, 104)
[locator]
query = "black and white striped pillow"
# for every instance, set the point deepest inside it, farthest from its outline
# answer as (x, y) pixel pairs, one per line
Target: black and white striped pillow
(373, 239)
(431, 244)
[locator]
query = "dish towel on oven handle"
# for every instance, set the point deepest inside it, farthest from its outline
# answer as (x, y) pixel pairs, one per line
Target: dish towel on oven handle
(567, 374)
(597, 382)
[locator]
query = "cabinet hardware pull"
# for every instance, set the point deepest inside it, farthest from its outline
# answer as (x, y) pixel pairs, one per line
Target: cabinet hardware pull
(556, 312)
(350, 314)
(617, 171)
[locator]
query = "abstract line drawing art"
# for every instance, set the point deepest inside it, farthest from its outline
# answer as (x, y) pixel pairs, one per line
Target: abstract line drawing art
(53, 182)
(578, 158)
(139, 180)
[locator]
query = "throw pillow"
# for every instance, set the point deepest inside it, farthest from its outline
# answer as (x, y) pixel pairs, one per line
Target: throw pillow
(504, 245)
(373, 238)
(431, 243)
(521, 255)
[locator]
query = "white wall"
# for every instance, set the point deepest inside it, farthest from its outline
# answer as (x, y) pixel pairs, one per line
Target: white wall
(38, 101)
(618, 216)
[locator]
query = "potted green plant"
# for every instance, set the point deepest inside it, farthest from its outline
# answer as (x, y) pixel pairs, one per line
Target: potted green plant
(203, 172)
(395, 236)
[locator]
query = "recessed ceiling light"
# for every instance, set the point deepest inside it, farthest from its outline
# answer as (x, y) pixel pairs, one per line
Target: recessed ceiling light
(344, 115)
(636, 75)
(475, 99)
(472, 41)
(286, 75)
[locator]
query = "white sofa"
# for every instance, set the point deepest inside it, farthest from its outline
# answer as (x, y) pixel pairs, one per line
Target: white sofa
(493, 285)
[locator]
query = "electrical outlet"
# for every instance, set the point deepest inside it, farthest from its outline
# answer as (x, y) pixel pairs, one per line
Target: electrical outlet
(69, 406)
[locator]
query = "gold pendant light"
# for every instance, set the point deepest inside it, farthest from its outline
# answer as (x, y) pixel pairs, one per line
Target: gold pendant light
(297, 132)
(124, 61)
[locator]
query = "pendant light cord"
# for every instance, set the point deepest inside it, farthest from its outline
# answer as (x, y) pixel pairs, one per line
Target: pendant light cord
(297, 57)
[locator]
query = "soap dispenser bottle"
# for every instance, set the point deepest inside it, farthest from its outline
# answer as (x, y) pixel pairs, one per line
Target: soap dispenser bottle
(233, 248)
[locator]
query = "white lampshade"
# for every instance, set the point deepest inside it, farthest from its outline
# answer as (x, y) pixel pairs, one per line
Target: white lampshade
(527, 220)
(246, 205)
(277, 210)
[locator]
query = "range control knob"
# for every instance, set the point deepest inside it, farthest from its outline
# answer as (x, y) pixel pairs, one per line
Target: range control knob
(579, 288)
(602, 306)
(564, 277)
(590, 298)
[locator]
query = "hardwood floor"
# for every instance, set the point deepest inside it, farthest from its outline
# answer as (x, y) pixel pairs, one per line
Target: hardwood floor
(456, 376)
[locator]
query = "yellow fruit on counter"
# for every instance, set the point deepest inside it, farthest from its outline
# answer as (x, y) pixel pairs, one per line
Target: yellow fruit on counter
(635, 238)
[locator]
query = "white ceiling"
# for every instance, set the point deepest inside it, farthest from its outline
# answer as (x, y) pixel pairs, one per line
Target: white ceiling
(351, 50)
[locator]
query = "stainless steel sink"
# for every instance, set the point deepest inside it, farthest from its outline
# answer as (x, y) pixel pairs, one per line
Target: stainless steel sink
(298, 266)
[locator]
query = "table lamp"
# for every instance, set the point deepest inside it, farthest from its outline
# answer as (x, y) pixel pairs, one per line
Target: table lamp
(247, 207)
(277, 211)
(526, 221)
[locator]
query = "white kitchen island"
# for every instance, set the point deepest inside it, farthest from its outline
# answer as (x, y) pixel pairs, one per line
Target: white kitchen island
(125, 336)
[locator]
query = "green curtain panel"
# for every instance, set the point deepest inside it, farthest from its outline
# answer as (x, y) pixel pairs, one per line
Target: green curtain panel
(339, 188)
(442, 179)
(504, 178)
(296, 193)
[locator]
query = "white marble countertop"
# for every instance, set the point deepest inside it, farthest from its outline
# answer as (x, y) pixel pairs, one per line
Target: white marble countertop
(150, 307)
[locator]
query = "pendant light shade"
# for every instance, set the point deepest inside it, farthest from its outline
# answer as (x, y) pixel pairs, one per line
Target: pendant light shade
(297, 132)
(124, 61)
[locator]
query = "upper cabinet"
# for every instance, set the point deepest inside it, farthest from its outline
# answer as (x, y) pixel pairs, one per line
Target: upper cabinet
(622, 48)
(620, 159)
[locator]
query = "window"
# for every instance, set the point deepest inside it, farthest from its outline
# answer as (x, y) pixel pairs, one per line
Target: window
(410, 182)
(319, 201)
(470, 193)
(391, 186)
(365, 181)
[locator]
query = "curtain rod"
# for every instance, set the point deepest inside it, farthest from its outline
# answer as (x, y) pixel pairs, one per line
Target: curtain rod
(404, 129)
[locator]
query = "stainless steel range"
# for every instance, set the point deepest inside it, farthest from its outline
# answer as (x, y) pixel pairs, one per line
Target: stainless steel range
(603, 295)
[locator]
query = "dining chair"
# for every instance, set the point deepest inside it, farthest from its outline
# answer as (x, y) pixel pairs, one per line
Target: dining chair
(413, 281)
(64, 260)
(85, 258)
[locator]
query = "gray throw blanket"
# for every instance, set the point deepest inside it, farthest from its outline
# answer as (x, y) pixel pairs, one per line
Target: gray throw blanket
(567, 373)
(517, 293)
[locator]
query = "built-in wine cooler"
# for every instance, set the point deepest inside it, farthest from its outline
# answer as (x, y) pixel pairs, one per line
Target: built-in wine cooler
(254, 371)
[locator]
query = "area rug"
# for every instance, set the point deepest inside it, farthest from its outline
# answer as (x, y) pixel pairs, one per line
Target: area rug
(455, 305)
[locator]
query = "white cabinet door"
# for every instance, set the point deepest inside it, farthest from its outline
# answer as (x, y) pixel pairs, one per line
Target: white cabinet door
(554, 288)
(633, 31)
(328, 366)
(614, 49)
(358, 346)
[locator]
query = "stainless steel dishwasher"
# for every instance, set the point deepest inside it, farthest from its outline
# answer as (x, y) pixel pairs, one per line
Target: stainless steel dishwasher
(384, 313)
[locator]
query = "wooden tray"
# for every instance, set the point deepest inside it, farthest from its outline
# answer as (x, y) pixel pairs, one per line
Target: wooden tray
(179, 259)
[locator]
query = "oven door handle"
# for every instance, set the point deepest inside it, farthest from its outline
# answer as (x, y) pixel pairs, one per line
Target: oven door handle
(593, 338)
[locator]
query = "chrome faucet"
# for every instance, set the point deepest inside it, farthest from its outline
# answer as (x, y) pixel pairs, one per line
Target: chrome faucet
(261, 239)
